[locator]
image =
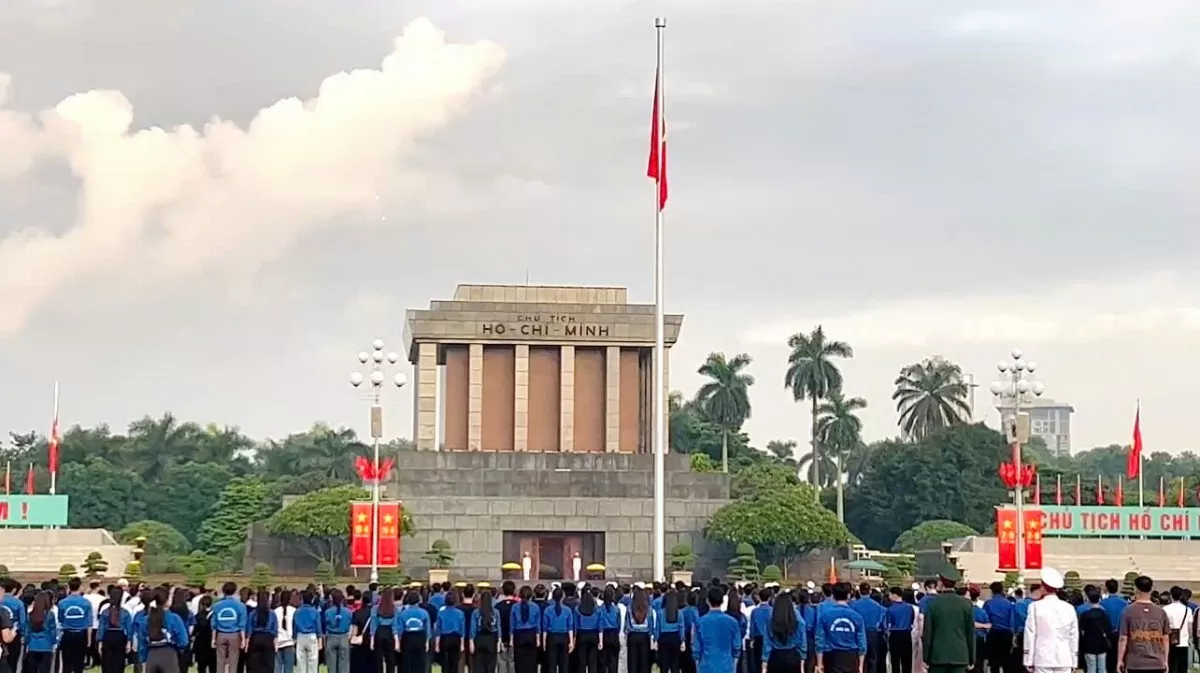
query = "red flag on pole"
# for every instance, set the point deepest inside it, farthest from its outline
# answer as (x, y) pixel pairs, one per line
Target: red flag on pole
(54, 442)
(658, 143)
(1058, 491)
(1133, 465)
(1099, 489)
(1162, 491)
(1119, 497)
(30, 481)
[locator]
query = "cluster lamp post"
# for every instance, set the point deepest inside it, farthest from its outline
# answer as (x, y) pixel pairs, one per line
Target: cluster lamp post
(1015, 389)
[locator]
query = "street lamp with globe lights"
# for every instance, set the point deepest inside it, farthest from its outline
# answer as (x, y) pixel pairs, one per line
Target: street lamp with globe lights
(377, 358)
(1015, 389)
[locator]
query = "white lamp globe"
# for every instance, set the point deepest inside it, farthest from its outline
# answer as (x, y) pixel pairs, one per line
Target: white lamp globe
(356, 379)
(997, 388)
(1022, 386)
(377, 344)
(1038, 388)
(377, 377)
(1030, 366)
(1019, 365)
(393, 357)
(377, 356)
(400, 379)
(1001, 367)
(1016, 353)
(363, 357)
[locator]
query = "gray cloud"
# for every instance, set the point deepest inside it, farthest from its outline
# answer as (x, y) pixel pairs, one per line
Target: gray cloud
(828, 163)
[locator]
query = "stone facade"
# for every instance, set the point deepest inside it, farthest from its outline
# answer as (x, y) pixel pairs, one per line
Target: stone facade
(470, 500)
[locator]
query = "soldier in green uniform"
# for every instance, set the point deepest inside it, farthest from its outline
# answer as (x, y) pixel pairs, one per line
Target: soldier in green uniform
(948, 637)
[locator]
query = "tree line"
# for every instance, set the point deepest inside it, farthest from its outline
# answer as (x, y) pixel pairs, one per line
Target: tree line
(208, 482)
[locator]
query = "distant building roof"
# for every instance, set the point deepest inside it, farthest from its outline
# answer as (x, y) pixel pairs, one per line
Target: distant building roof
(1043, 403)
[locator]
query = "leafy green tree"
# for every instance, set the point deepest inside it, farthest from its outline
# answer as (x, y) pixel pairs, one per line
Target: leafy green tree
(931, 534)
(950, 474)
(1128, 586)
(102, 495)
(195, 573)
(439, 555)
(892, 577)
(1073, 581)
(162, 540)
(4, 573)
(725, 396)
(682, 557)
(242, 502)
(931, 395)
(133, 570)
(761, 478)
(700, 462)
(321, 450)
(783, 449)
(157, 444)
(839, 430)
(319, 523)
(812, 375)
(783, 524)
(187, 494)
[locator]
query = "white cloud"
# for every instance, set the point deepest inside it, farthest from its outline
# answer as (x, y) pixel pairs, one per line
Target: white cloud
(1158, 307)
(173, 203)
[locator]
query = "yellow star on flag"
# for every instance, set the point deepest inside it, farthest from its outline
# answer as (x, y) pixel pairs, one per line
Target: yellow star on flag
(387, 518)
(362, 518)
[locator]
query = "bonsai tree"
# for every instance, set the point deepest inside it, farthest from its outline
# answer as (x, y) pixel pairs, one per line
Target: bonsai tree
(682, 557)
(65, 572)
(439, 555)
(133, 570)
(772, 573)
(1011, 580)
(4, 574)
(195, 573)
(1072, 581)
(744, 564)
(1127, 587)
(324, 573)
(94, 565)
(261, 579)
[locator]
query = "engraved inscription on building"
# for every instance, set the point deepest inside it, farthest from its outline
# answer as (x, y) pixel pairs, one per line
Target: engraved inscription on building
(544, 326)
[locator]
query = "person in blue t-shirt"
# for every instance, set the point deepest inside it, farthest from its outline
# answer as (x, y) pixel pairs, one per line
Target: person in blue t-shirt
(526, 632)
(558, 625)
(841, 634)
(669, 633)
(262, 628)
(901, 613)
(41, 636)
(449, 632)
(982, 626)
(639, 632)
(587, 633)
(785, 639)
(115, 635)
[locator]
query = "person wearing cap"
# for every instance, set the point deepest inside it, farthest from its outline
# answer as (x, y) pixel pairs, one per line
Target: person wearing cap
(947, 627)
(1051, 640)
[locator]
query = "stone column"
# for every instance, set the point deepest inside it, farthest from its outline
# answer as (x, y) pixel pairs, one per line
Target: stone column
(566, 400)
(612, 399)
(521, 398)
(425, 398)
(475, 397)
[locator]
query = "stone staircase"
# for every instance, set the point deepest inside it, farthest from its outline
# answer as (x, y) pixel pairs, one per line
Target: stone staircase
(44, 550)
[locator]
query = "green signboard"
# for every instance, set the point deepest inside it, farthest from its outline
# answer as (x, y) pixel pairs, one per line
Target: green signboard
(1162, 522)
(33, 511)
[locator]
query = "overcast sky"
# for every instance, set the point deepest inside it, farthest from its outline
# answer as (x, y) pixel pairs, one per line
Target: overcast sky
(920, 176)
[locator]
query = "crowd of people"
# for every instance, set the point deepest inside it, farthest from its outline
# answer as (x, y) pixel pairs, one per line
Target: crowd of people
(940, 627)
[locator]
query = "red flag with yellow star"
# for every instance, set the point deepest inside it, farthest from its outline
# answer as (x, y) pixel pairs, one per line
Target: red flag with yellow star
(360, 534)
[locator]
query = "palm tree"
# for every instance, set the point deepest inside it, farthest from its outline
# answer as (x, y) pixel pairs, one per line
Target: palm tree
(840, 431)
(931, 395)
(812, 375)
(783, 449)
(725, 398)
(818, 475)
(156, 445)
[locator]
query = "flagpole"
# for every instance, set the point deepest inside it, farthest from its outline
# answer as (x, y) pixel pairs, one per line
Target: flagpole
(660, 351)
(54, 430)
(1140, 463)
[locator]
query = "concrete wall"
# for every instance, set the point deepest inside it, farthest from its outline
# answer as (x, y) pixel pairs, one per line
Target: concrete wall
(471, 498)
(45, 550)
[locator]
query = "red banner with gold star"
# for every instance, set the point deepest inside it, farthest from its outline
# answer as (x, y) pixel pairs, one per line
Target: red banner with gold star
(360, 534)
(389, 534)
(1006, 538)
(1033, 539)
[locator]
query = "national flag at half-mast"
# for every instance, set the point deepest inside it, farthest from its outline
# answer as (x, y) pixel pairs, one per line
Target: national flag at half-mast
(54, 442)
(1133, 463)
(658, 142)
(30, 481)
